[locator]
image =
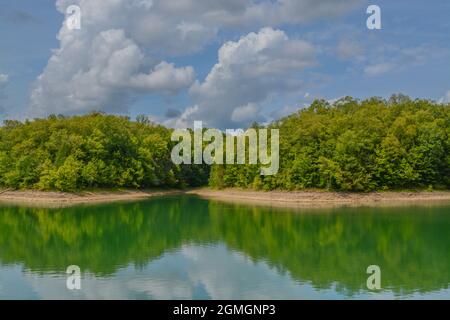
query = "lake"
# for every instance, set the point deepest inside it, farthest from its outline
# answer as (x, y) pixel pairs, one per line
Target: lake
(185, 247)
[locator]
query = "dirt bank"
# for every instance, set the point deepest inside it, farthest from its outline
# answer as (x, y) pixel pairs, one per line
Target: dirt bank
(324, 198)
(316, 199)
(66, 198)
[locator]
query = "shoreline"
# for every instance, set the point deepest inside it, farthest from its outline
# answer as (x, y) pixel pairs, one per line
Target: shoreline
(62, 199)
(308, 199)
(326, 199)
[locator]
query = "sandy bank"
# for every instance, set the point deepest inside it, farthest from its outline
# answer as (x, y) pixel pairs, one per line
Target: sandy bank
(308, 199)
(322, 199)
(45, 198)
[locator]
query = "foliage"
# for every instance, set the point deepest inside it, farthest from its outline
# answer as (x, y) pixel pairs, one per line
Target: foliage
(356, 146)
(347, 145)
(92, 151)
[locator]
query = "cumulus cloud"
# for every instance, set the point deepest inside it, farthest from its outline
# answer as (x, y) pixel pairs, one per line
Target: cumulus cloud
(248, 72)
(124, 47)
(180, 26)
(102, 68)
(102, 73)
(246, 113)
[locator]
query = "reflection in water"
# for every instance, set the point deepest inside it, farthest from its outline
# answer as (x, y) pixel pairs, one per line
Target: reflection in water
(184, 247)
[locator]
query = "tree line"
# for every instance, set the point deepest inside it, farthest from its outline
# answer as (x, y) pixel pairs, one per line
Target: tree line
(353, 145)
(373, 144)
(91, 151)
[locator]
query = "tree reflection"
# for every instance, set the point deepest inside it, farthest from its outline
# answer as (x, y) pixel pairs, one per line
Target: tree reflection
(333, 246)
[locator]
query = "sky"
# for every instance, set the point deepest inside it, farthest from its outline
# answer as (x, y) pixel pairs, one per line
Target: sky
(226, 63)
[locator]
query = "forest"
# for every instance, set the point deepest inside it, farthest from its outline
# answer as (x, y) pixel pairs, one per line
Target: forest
(348, 145)
(90, 152)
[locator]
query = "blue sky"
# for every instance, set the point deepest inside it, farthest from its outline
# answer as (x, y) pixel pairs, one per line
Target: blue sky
(161, 58)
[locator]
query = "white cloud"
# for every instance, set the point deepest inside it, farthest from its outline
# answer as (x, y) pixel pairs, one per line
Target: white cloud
(183, 26)
(248, 72)
(246, 113)
(123, 45)
(101, 73)
(3, 80)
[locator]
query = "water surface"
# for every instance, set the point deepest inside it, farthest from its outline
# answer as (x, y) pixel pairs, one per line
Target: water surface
(184, 247)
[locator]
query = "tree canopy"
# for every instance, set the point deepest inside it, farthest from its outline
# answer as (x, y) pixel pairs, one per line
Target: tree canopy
(91, 151)
(374, 144)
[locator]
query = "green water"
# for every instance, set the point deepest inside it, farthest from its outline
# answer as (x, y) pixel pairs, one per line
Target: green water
(184, 247)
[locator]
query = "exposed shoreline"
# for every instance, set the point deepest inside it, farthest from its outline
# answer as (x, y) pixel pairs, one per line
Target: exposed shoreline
(310, 199)
(61, 199)
(326, 199)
